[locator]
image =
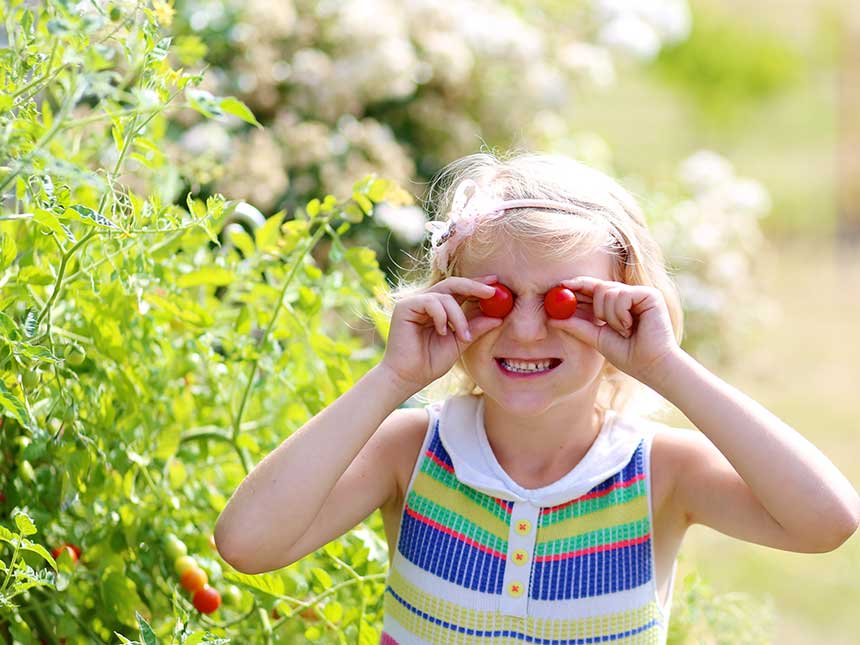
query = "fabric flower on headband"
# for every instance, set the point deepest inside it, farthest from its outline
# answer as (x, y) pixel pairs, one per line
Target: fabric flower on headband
(470, 205)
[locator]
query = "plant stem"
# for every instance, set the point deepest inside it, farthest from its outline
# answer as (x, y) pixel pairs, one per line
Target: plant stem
(262, 340)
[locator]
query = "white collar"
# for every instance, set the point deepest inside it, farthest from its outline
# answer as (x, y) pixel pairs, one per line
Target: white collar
(462, 432)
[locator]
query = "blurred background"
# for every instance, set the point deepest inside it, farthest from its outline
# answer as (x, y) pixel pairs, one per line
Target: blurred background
(735, 123)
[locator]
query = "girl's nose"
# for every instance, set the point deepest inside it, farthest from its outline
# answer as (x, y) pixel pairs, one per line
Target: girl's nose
(527, 321)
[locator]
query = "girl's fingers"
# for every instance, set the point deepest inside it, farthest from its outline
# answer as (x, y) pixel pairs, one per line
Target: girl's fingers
(610, 302)
(598, 295)
(433, 308)
(456, 317)
(622, 312)
(462, 288)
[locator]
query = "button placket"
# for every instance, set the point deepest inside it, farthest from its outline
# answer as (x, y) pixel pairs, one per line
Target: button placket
(522, 533)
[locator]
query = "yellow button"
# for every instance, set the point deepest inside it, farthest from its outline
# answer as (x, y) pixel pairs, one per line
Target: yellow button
(523, 527)
(520, 557)
(515, 589)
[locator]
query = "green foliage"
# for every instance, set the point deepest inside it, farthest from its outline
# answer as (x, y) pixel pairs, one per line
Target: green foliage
(726, 65)
(700, 615)
(144, 362)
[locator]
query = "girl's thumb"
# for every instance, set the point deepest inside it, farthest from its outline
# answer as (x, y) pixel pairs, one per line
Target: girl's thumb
(580, 329)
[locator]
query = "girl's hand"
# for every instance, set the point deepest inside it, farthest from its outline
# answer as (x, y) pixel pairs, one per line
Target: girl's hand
(430, 330)
(631, 327)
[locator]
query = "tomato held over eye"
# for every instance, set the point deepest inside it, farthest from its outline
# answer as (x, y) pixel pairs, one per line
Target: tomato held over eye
(206, 599)
(499, 304)
(560, 302)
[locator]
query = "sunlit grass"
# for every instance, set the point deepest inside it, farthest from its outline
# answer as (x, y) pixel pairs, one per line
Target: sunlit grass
(805, 369)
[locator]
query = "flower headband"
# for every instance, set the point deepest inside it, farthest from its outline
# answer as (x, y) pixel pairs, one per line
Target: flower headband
(470, 206)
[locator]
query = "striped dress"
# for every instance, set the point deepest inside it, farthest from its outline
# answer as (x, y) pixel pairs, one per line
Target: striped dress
(481, 560)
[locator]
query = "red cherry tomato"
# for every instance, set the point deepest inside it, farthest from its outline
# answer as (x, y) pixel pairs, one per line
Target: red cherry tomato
(66, 547)
(499, 304)
(559, 302)
(194, 579)
(206, 599)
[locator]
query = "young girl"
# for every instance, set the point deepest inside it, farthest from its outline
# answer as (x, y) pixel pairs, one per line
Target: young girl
(529, 506)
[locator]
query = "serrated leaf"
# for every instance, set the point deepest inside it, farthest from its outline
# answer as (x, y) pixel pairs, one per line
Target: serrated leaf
(87, 215)
(215, 276)
(323, 577)
(31, 324)
(6, 535)
(232, 105)
(146, 633)
(267, 235)
(40, 550)
(8, 251)
(13, 405)
(24, 523)
(268, 583)
(49, 220)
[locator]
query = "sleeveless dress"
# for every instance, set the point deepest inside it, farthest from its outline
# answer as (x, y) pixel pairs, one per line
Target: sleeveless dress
(482, 560)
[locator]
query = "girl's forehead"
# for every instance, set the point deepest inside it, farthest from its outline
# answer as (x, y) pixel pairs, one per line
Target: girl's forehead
(532, 268)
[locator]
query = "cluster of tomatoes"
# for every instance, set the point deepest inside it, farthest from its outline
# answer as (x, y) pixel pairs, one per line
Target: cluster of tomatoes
(193, 578)
(559, 302)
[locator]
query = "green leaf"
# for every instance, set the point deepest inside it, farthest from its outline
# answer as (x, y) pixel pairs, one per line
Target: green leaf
(87, 215)
(13, 405)
(215, 276)
(232, 105)
(323, 577)
(119, 594)
(49, 220)
(159, 52)
(268, 583)
(8, 251)
(146, 633)
(268, 234)
(40, 550)
(24, 523)
(203, 102)
(31, 324)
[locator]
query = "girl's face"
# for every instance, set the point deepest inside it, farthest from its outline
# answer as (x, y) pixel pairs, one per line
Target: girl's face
(525, 335)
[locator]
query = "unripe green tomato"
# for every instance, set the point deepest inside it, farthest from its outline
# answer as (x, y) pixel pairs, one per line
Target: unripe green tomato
(182, 563)
(232, 596)
(30, 378)
(74, 355)
(174, 547)
(27, 472)
(115, 14)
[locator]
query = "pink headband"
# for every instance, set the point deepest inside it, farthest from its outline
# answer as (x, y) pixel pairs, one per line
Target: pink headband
(470, 206)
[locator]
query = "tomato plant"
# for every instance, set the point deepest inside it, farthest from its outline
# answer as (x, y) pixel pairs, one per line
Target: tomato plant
(499, 304)
(560, 302)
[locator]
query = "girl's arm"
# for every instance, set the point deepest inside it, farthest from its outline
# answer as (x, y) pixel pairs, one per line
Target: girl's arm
(278, 502)
(776, 488)
(796, 498)
(340, 466)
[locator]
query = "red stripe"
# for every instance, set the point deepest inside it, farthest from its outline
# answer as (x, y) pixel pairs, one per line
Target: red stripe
(452, 533)
(593, 549)
(435, 458)
(599, 493)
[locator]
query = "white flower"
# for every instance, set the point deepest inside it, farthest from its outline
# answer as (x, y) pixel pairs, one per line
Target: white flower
(406, 222)
(704, 170)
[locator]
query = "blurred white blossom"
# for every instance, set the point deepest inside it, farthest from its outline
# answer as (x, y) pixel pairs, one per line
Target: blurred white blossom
(406, 222)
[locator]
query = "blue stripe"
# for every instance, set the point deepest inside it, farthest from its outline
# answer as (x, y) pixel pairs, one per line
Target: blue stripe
(519, 635)
(593, 574)
(438, 449)
(449, 558)
(636, 466)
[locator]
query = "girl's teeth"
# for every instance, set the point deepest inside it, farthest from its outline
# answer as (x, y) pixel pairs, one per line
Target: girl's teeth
(525, 366)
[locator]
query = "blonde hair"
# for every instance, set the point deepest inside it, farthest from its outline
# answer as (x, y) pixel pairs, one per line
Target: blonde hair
(606, 217)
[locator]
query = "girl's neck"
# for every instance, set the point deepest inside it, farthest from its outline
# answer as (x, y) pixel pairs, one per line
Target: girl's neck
(537, 451)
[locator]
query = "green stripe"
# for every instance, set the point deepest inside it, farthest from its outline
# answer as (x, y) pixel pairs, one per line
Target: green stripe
(455, 522)
(441, 475)
(616, 497)
(594, 538)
